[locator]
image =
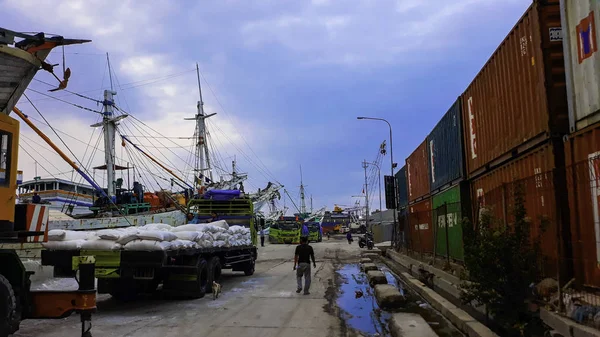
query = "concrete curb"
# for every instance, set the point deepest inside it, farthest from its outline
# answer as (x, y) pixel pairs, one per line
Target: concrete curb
(368, 266)
(376, 277)
(388, 297)
(566, 326)
(365, 260)
(410, 325)
(460, 318)
(446, 282)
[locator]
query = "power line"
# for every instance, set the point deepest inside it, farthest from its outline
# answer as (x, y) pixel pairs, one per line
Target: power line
(62, 100)
(241, 135)
(71, 92)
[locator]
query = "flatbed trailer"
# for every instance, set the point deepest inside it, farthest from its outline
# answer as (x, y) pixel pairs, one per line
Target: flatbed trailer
(183, 272)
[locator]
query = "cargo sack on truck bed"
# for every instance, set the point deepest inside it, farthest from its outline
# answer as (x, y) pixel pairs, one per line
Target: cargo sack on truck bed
(100, 244)
(147, 245)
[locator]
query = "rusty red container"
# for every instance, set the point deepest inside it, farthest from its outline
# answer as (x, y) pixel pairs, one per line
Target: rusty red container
(533, 173)
(583, 183)
(518, 99)
(417, 173)
(421, 227)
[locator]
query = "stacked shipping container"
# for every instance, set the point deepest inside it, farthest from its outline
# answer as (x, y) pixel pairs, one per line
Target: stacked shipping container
(446, 159)
(503, 128)
(514, 114)
(446, 170)
(417, 172)
(533, 173)
(402, 195)
(581, 31)
(401, 188)
(420, 236)
(518, 99)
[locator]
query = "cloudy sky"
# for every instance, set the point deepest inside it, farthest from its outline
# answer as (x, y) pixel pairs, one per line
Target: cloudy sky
(286, 79)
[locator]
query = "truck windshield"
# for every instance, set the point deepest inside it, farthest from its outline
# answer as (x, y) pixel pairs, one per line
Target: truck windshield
(313, 228)
(288, 225)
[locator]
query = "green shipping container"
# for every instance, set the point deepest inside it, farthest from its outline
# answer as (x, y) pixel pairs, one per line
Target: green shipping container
(450, 206)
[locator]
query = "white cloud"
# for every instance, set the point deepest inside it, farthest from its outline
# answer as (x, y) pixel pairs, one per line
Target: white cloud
(135, 34)
(368, 32)
(115, 26)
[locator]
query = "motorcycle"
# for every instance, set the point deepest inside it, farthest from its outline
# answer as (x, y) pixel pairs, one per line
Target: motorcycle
(366, 240)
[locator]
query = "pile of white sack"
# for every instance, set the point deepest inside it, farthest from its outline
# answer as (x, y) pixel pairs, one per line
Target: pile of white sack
(151, 237)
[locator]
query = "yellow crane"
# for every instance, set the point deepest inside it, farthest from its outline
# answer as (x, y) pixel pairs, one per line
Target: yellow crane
(27, 223)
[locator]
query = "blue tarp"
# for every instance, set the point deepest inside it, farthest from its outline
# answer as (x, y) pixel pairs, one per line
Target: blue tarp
(223, 195)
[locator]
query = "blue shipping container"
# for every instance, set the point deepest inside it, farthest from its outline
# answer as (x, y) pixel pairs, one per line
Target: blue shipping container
(445, 149)
(401, 187)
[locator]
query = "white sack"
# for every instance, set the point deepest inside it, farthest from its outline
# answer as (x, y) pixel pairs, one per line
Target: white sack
(63, 245)
(219, 243)
(156, 235)
(188, 228)
(222, 237)
(220, 223)
(147, 245)
(100, 245)
(187, 235)
(157, 227)
(205, 244)
(68, 235)
(206, 236)
(182, 244)
(127, 236)
(238, 230)
(110, 234)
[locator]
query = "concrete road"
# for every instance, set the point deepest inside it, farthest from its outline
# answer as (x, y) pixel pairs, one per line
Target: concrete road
(264, 305)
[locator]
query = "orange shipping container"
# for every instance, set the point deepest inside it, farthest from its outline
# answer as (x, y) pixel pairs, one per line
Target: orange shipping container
(583, 182)
(421, 231)
(418, 173)
(518, 99)
(533, 172)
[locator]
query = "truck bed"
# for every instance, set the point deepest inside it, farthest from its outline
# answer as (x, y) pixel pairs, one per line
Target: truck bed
(62, 259)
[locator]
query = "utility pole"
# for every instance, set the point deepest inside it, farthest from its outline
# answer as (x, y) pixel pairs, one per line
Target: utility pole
(365, 165)
(311, 204)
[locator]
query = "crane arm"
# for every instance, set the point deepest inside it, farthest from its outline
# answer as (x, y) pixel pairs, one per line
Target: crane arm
(292, 200)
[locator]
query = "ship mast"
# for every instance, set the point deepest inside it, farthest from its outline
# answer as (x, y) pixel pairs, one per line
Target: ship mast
(202, 163)
(302, 198)
(109, 126)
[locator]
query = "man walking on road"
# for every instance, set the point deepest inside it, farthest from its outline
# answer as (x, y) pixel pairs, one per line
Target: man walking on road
(304, 253)
(262, 237)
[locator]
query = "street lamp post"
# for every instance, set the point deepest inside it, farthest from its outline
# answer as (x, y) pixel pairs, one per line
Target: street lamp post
(392, 167)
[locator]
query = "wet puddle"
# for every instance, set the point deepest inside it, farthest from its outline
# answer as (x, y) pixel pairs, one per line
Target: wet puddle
(360, 311)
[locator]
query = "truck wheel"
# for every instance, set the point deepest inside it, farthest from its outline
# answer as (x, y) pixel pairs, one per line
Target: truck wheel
(202, 279)
(214, 272)
(124, 291)
(9, 318)
(249, 270)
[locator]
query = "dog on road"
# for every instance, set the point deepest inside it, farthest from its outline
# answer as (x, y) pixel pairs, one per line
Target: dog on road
(216, 290)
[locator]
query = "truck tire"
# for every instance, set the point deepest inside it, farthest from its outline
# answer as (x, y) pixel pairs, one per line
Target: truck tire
(124, 291)
(9, 318)
(214, 272)
(202, 279)
(249, 270)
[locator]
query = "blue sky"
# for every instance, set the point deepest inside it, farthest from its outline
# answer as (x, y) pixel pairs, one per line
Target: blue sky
(290, 77)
